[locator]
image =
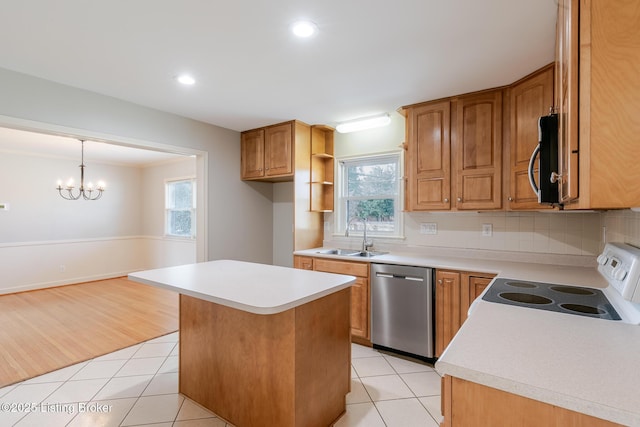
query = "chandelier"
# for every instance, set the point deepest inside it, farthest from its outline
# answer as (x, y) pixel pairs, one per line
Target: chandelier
(67, 192)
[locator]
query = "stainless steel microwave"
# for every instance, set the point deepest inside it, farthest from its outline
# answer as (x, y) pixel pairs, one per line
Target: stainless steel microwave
(546, 185)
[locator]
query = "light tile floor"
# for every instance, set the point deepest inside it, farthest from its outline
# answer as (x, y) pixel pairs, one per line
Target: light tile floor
(139, 386)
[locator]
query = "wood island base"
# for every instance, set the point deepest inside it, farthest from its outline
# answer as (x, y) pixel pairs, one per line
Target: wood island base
(286, 369)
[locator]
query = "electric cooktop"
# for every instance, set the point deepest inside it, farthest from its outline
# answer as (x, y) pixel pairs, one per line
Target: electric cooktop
(546, 296)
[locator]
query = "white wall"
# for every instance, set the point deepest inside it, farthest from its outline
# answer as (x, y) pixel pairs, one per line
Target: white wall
(524, 232)
(240, 214)
(48, 241)
(37, 212)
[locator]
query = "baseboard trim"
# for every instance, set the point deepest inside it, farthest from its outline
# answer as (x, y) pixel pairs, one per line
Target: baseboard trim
(68, 281)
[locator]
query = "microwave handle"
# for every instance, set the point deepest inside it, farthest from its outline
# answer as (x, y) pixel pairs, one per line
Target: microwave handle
(532, 163)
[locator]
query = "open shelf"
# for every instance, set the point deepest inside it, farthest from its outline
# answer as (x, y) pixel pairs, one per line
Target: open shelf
(322, 165)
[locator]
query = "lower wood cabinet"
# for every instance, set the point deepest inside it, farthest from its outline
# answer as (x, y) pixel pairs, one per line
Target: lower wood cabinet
(455, 291)
(360, 291)
(303, 262)
(468, 404)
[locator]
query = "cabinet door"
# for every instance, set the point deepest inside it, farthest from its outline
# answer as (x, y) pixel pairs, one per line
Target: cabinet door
(471, 288)
(567, 86)
(429, 146)
(447, 308)
(477, 143)
(360, 308)
(252, 154)
(360, 301)
(530, 99)
(278, 150)
(609, 104)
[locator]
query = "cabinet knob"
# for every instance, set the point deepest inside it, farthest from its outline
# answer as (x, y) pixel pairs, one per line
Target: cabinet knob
(446, 200)
(459, 199)
(510, 199)
(439, 281)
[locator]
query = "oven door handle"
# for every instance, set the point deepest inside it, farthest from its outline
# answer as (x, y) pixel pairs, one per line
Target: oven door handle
(532, 163)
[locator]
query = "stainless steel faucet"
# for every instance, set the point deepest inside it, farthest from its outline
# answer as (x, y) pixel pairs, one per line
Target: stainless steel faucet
(366, 244)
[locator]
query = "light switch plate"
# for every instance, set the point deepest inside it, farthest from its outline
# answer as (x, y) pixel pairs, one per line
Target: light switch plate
(487, 230)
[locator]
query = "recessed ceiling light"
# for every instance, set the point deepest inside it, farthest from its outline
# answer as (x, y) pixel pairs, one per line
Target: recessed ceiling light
(304, 29)
(186, 79)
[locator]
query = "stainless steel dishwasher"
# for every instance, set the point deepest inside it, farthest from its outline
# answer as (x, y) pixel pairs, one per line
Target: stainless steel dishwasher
(402, 310)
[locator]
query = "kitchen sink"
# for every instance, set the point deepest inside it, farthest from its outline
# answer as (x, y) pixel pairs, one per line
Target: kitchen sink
(368, 254)
(346, 252)
(350, 252)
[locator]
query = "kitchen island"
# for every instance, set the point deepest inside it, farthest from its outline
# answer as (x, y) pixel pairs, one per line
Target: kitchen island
(259, 344)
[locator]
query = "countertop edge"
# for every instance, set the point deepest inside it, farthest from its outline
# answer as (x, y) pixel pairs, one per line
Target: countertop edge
(245, 307)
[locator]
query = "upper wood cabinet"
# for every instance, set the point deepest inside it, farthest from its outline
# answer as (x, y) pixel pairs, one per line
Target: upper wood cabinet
(477, 144)
(429, 156)
(282, 152)
(252, 154)
(454, 149)
(599, 78)
(267, 153)
(530, 98)
(566, 97)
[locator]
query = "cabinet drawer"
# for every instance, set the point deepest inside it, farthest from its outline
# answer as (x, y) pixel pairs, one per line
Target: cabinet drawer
(342, 267)
(303, 262)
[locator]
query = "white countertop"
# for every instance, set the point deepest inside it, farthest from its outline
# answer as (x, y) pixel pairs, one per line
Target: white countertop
(583, 364)
(560, 274)
(255, 288)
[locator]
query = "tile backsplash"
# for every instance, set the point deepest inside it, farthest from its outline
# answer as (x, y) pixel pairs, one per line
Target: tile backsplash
(622, 226)
(553, 233)
(548, 233)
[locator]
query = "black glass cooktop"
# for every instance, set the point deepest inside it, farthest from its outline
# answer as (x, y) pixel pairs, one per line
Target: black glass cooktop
(545, 296)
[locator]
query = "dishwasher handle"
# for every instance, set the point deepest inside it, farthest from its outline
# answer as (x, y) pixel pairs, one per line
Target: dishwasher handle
(399, 276)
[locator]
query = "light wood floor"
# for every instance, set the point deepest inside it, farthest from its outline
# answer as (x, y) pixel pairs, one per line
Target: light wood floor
(45, 330)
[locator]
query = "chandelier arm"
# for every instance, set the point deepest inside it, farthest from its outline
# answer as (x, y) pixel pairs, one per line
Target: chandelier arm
(87, 194)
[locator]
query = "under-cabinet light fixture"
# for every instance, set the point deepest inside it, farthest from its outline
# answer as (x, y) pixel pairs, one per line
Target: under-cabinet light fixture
(364, 123)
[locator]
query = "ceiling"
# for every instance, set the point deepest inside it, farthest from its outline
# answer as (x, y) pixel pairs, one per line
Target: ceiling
(30, 143)
(368, 57)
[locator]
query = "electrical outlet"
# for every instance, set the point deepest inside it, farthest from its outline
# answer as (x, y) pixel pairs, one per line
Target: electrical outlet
(63, 268)
(428, 228)
(487, 230)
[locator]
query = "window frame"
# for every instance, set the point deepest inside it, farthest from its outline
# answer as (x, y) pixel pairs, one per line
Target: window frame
(167, 209)
(340, 220)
